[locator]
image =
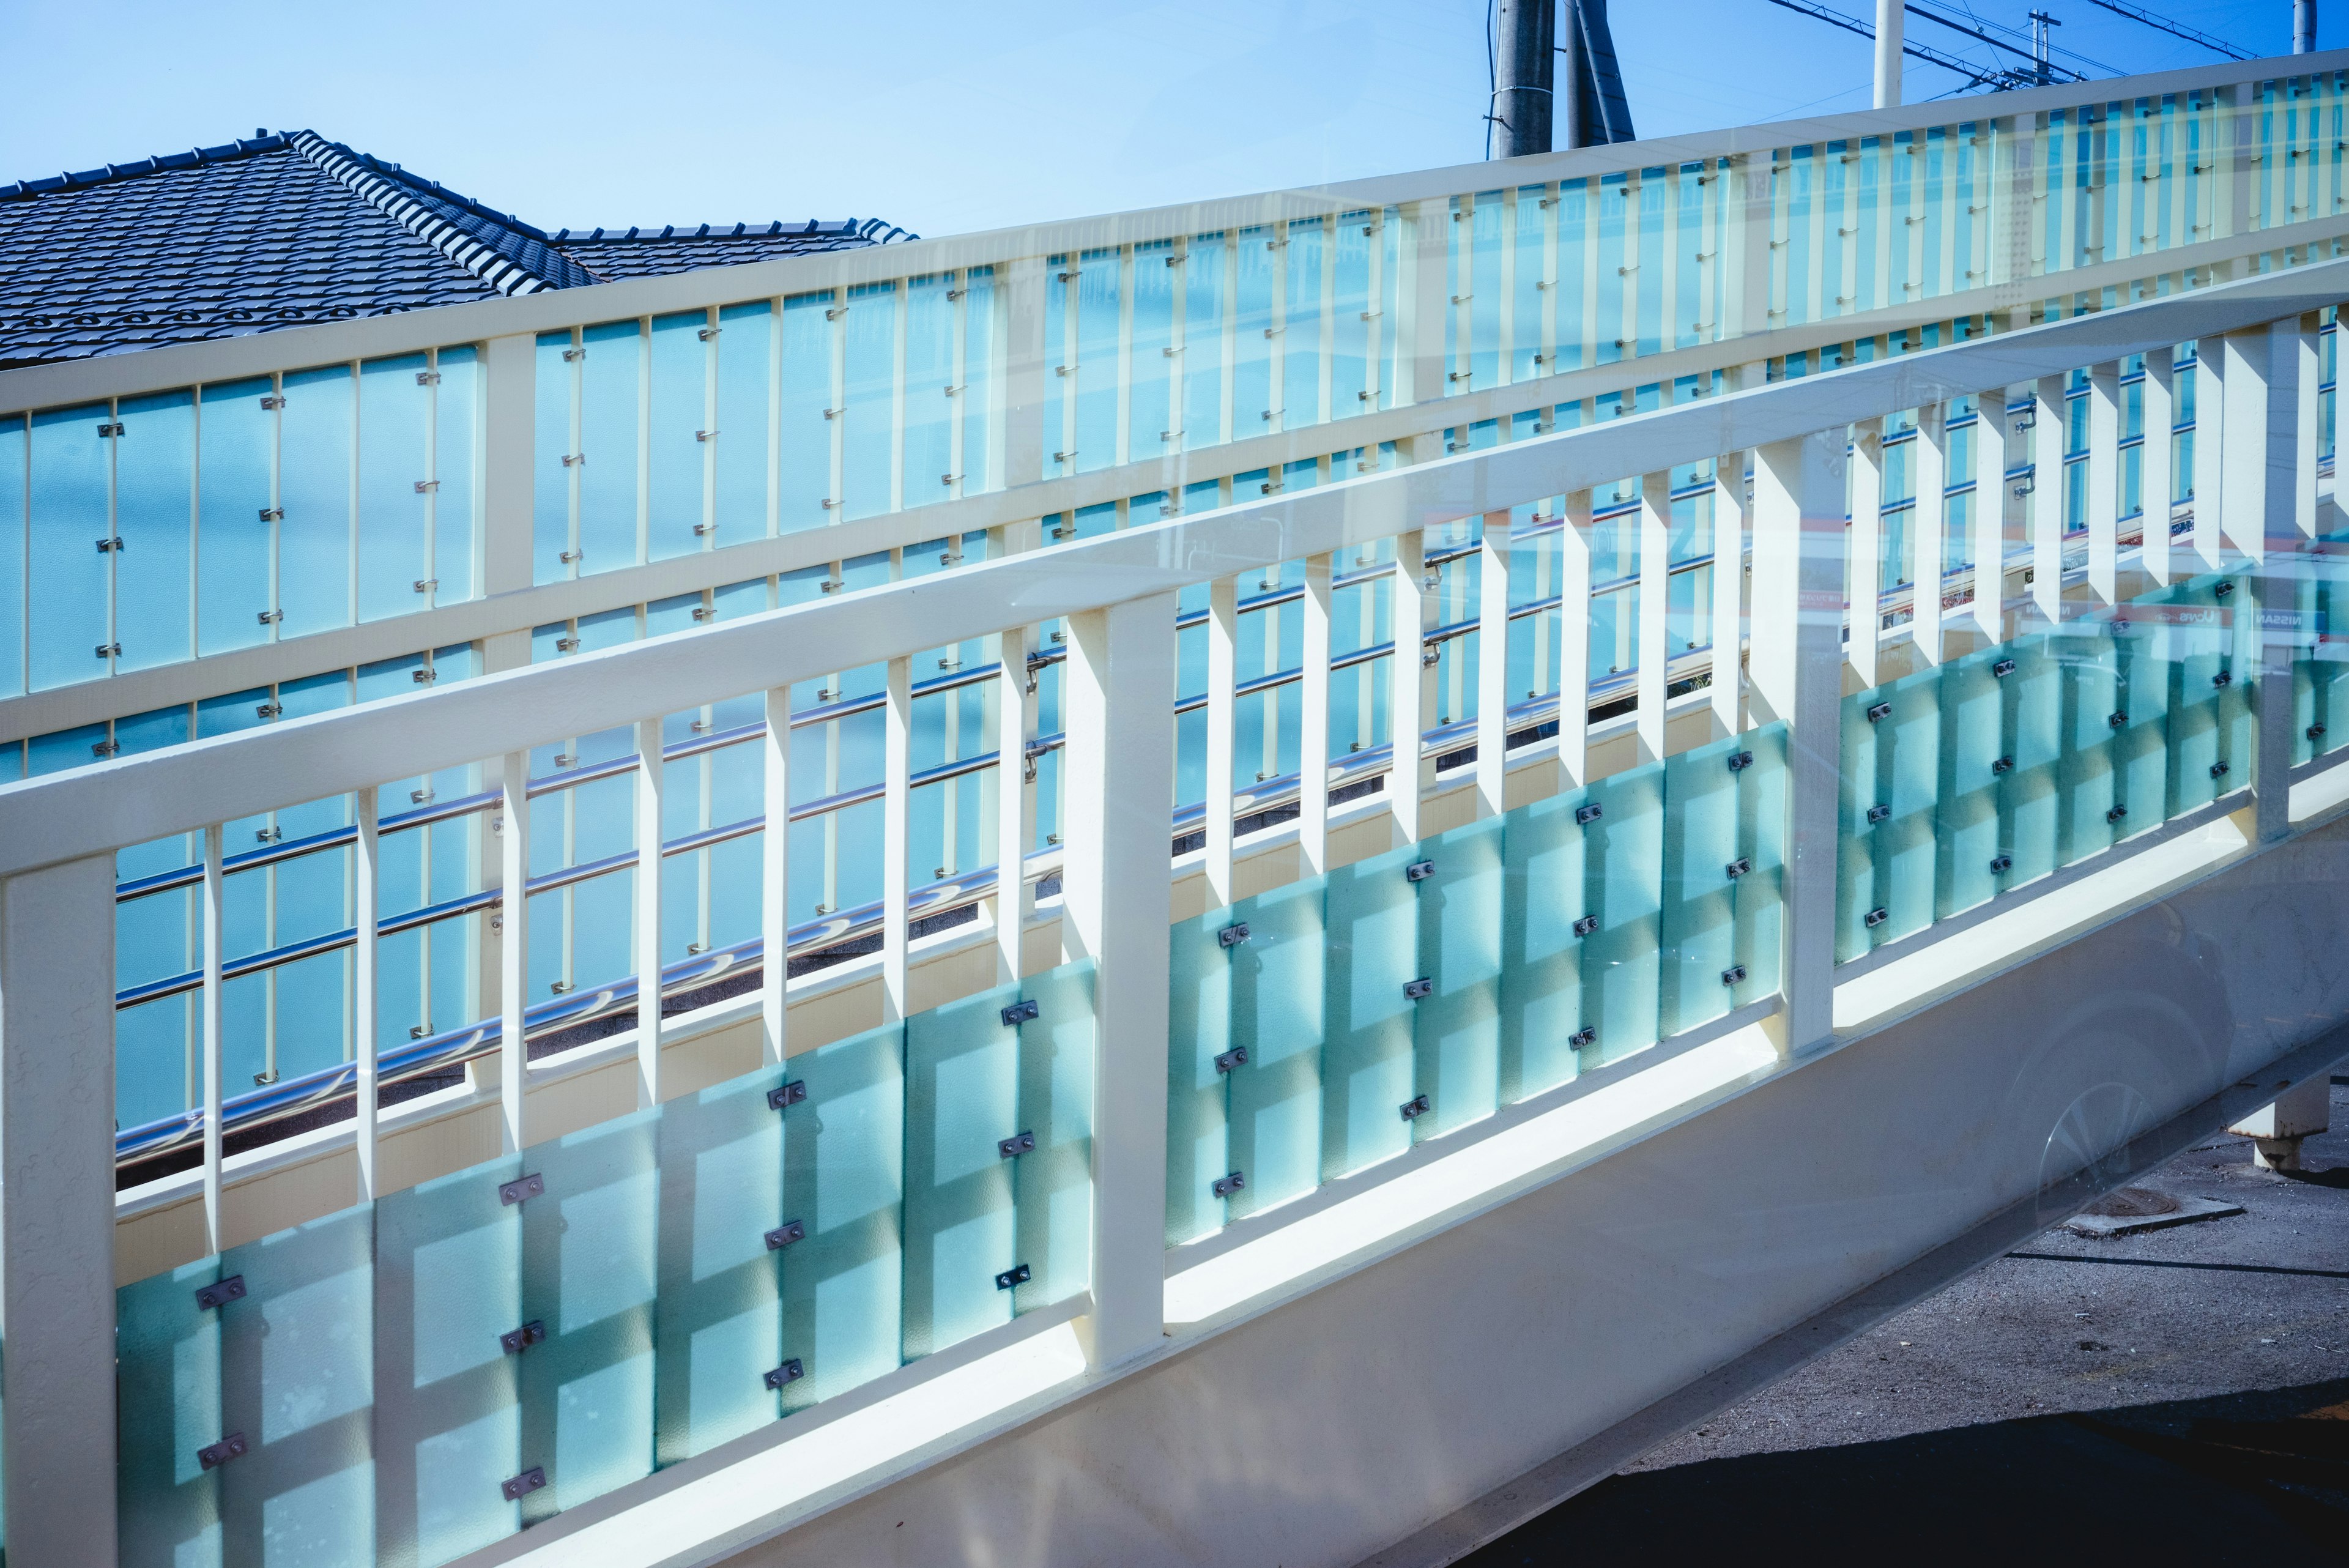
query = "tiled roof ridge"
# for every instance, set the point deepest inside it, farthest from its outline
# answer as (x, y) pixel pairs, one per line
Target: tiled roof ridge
(388, 195)
(873, 229)
(261, 141)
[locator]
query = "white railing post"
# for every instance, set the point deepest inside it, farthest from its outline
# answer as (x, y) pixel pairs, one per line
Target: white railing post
(514, 947)
(1492, 666)
(1655, 602)
(2048, 486)
(1986, 518)
(1575, 528)
(2104, 517)
(649, 913)
(1407, 681)
(1797, 668)
(1929, 530)
(2156, 470)
(2307, 442)
(1730, 507)
(1313, 721)
(1867, 530)
(1117, 779)
(2210, 504)
(1015, 802)
(1223, 671)
(2264, 460)
(775, 878)
(365, 864)
(211, 1032)
(57, 1212)
(897, 824)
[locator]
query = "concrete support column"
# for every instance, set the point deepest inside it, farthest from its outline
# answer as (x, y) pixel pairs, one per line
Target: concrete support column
(2262, 467)
(57, 1213)
(1117, 892)
(1888, 17)
(1796, 669)
(2277, 1128)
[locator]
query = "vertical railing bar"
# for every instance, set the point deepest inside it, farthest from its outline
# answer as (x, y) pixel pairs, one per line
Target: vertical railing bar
(1313, 727)
(364, 1047)
(2156, 478)
(775, 878)
(2209, 449)
(2048, 487)
(513, 948)
(1407, 683)
(1929, 529)
(1492, 666)
(1867, 633)
(2104, 517)
(1986, 517)
(1729, 527)
(1222, 664)
(897, 817)
(213, 1044)
(1574, 541)
(1655, 609)
(650, 768)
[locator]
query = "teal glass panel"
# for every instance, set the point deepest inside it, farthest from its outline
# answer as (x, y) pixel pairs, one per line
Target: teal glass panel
(297, 1378)
(1623, 886)
(2032, 729)
(962, 1099)
(1093, 367)
(1277, 987)
(844, 1180)
(1150, 424)
(1198, 1023)
(154, 516)
(1456, 1028)
(1367, 1068)
(68, 618)
(610, 373)
(457, 437)
(1542, 891)
(395, 458)
(1968, 832)
(589, 1275)
(1482, 234)
(551, 477)
(2086, 786)
(13, 457)
(1761, 893)
(982, 446)
(1301, 394)
(1053, 1185)
(447, 1423)
(1256, 257)
(1696, 919)
(678, 419)
(1353, 378)
(719, 1325)
(930, 391)
(167, 1407)
(867, 414)
(2140, 744)
(746, 347)
(1574, 216)
(1202, 350)
(313, 489)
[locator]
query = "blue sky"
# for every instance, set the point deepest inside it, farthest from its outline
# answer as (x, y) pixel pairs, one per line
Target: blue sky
(944, 118)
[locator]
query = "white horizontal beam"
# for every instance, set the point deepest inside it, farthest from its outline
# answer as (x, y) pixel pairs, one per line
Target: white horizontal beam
(131, 800)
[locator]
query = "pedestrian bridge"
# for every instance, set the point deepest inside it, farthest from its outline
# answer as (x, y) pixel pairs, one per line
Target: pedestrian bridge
(1312, 865)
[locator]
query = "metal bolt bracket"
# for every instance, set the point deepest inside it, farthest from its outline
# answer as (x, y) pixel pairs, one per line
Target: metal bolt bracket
(531, 1480)
(1878, 714)
(230, 1289)
(1733, 975)
(2315, 731)
(1876, 916)
(1879, 812)
(2224, 679)
(1225, 1186)
(789, 1371)
(2118, 718)
(785, 1234)
(212, 1456)
(2000, 865)
(1738, 868)
(1584, 815)
(514, 1191)
(2121, 810)
(1015, 1146)
(2002, 765)
(517, 1340)
(1233, 935)
(1418, 871)
(1415, 1107)
(1583, 1038)
(1418, 990)
(1016, 1274)
(1586, 925)
(784, 1095)
(1021, 1012)
(2002, 669)
(2221, 590)
(2217, 770)
(1235, 1057)
(1740, 762)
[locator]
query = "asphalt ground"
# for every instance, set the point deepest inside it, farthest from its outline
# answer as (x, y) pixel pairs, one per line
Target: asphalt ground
(2177, 1396)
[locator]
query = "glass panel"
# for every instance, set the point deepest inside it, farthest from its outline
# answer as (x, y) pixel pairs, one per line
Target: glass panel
(456, 465)
(68, 618)
(679, 417)
(154, 516)
(1700, 873)
(313, 489)
(868, 414)
(1054, 1185)
(297, 1378)
(1199, 1017)
(168, 1405)
(1366, 1059)
(395, 460)
(1149, 421)
(807, 413)
(844, 1183)
(746, 336)
(1277, 985)
(1762, 806)
(1456, 1027)
(962, 1085)
(610, 373)
(930, 391)
(13, 457)
(1622, 881)
(447, 1424)
(1542, 893)
(552, 481)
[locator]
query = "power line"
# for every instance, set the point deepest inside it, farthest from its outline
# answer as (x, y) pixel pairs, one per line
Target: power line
(2176, 29)
(1994, 81)
(2011, 48)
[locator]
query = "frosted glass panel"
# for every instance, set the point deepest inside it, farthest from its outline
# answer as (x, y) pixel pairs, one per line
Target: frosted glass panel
(395, 465)
(843, 1182)
(1542, 893)
(313, 489)
(962, 1099)
(154, 516)
(1622, 887)
(1456, 1026)
(1366, 1061)
(1276, 980)
(1199, 999)
(608, 454)
(1052, 1183)
(71, 484)
(168, 1405)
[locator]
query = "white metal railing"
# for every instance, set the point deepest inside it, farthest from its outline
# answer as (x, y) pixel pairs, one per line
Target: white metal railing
(2258, 523)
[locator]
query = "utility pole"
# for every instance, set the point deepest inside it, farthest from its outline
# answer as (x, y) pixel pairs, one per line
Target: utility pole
(2040, 21)
(1889, 14)
(1523, 36)
(2303, 26)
